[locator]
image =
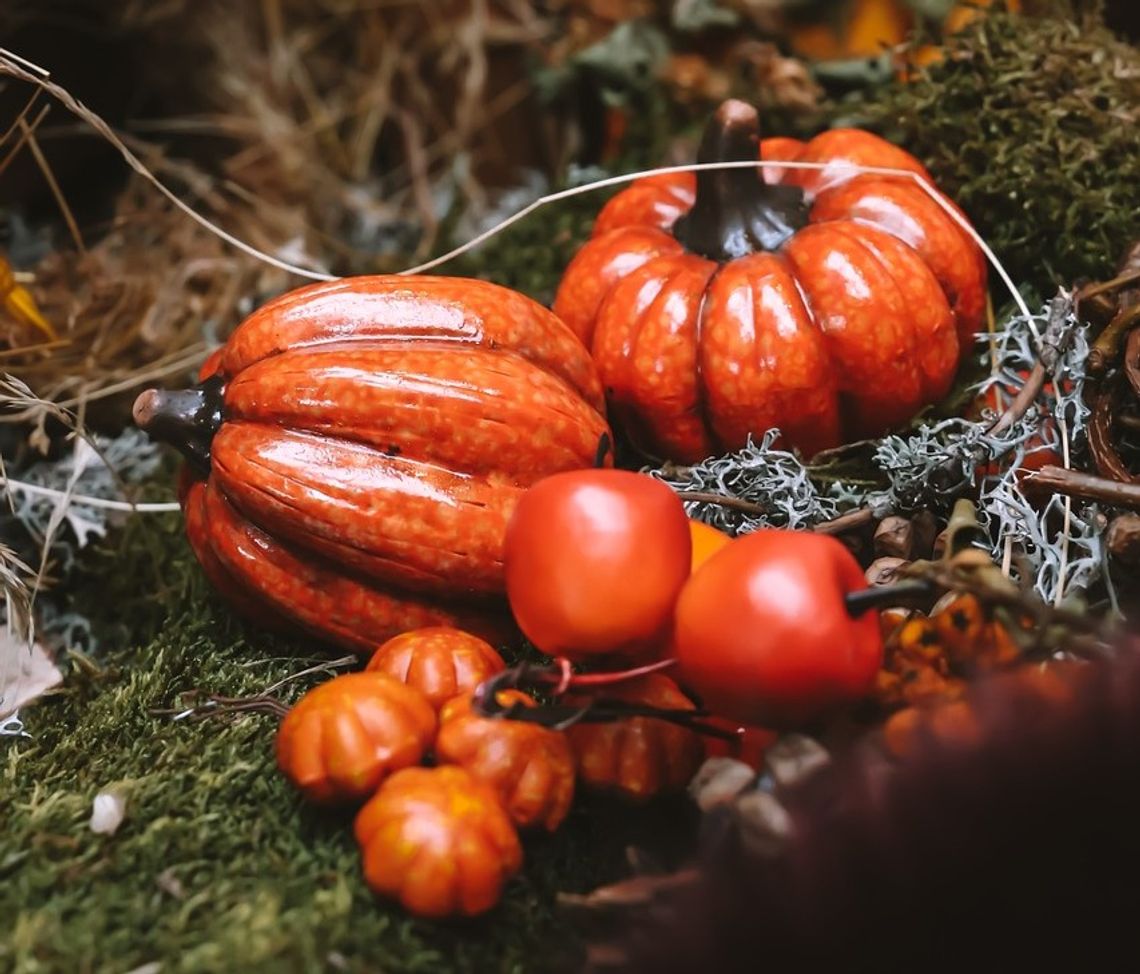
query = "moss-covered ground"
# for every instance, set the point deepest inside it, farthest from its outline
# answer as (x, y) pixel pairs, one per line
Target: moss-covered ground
(218, 866)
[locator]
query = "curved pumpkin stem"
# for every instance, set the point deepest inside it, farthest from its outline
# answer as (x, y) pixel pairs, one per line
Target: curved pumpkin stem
(187, 419)
(736, 213)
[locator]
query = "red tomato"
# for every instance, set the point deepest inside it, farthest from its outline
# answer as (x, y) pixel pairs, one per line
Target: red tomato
(762, 635)
(594, 560)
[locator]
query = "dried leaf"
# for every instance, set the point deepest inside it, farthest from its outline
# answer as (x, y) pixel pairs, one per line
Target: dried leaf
(26, 673)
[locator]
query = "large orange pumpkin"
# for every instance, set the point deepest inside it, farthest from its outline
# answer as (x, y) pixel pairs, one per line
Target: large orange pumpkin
(356, 449)
(828, 304)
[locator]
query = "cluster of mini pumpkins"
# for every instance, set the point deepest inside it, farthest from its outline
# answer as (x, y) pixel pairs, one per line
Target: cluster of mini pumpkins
(443, 840)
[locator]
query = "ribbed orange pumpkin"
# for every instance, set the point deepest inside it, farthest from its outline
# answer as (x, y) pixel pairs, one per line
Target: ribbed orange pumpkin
(824, 303)
(357, 448)
(343, 737)
(439, 841)
(530, 766)
(438, 661)
(638, 758)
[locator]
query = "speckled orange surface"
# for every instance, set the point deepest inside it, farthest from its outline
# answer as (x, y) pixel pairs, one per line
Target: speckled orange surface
(438, 841)
(376, 435)
(852, 326)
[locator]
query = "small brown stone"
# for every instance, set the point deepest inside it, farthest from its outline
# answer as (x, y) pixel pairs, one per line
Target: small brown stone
(1124, 539)
(924, 526)
(884, 571)
(894, 538)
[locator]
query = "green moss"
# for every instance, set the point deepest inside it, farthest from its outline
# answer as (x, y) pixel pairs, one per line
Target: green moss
(218, 866)
(1030, 123)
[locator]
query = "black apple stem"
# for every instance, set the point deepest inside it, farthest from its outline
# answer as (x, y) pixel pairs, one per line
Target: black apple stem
(864, 599)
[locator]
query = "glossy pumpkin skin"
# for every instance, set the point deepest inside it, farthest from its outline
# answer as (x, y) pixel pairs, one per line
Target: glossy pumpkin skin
(530, 767)
(640, 757)
(360, 446)
(828, 304)
(438, 841)
(343, 737)
(439, 661)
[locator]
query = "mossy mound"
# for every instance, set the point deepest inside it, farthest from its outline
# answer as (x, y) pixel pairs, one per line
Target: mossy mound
(1031, 125)
(218, 866)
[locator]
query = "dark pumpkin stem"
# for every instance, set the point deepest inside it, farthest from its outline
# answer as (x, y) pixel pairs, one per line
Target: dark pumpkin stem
(187, 419)
(736, 213)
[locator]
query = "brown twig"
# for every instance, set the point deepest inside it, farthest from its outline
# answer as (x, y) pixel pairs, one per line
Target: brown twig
(219, 706)
(1085, 486)
(1132, 361)
(1106, 349)
(848, 521)
(724, 500)
(1104, 412)
(1129, 277)
(1053, 343)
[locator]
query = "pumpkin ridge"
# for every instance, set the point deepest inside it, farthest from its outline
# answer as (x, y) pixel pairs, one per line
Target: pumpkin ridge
(228, 526)
(308, 526)
(548, 424)
(468, 311)
(890, 271)
(853, 391)
(335, 544)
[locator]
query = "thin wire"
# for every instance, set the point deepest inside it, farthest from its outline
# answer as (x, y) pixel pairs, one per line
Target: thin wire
(11, 64)
(36, 490)
(563, 194)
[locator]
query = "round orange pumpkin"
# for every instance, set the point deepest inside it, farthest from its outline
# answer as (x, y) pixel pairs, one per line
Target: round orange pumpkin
(343, 737)
(827, 304)
(439, 841)
(357, 448)
(530, 766)
(638, 758)
(439, 661)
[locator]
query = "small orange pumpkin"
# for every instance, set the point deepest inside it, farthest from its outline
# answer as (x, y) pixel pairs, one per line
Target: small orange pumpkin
(531, 767)
(639, 757)
(342, 738)
(439, 841)
(439, 661)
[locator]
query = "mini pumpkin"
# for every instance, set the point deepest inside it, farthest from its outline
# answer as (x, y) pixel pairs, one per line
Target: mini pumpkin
(828, 304)
(638, 758)
(530, 766)
(438, 841)
(356, 448)
(343, 737)
(439, 661)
